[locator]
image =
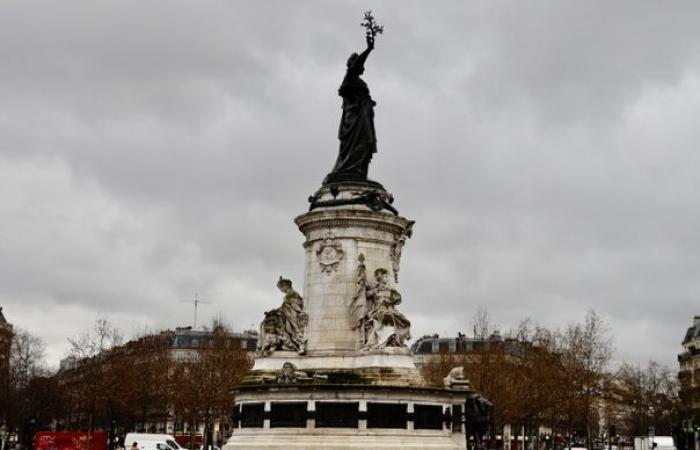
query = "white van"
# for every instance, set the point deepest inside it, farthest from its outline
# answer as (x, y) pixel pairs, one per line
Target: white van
(147, 441)
(663, 443)
(654, 443)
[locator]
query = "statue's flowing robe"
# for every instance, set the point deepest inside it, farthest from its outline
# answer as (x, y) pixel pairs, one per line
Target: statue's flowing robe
(291, 308)
(358, 139)
(359, 307)
(284, 323)
(388, 327)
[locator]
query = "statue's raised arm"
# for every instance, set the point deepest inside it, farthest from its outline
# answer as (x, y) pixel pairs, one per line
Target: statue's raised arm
(357, 64)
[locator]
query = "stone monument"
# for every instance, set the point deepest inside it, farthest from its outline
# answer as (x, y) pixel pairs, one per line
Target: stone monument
(332, 369)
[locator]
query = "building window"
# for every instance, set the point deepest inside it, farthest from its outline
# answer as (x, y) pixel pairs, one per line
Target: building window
(387, 415)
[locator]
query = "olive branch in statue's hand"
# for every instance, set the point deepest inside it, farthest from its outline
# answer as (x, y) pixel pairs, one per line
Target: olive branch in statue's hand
(372, 28)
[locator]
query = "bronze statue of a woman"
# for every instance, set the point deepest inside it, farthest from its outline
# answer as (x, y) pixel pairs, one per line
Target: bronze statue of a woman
(358, 140)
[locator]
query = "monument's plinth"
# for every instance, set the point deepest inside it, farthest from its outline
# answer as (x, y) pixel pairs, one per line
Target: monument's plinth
(342, 416)
(333, 370)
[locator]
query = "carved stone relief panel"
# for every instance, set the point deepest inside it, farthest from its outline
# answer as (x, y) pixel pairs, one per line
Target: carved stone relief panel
(330, 253)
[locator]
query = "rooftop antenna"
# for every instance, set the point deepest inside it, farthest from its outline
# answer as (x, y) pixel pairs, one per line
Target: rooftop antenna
(196, 302)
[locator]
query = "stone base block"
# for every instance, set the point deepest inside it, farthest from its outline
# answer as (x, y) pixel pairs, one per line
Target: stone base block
(340, 441)
(341, 361)
(371, 369)
(347, 417)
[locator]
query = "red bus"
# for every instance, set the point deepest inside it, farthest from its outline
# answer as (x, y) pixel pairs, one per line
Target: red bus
(70, 440)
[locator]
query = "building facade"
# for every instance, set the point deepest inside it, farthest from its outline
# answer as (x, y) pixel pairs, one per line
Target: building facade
(430, 348)
(689, 375)
(184, 344)
(6, 335)
(5, 344)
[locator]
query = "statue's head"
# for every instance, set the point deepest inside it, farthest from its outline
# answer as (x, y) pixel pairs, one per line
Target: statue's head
(381, 274)
(352, 59)
(284, 284)
(288, 369)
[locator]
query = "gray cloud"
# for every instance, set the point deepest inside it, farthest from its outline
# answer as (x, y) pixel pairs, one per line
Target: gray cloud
(546, 150)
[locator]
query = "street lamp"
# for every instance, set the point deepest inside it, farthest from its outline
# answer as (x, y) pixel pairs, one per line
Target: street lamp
(209, 430)
(31, 431)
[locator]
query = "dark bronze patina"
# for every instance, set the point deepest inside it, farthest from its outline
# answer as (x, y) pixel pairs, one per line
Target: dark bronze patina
(358, 139)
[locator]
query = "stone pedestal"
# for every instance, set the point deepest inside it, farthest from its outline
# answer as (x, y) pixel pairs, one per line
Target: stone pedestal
(334, 240)
(375, 418)
(354, 383)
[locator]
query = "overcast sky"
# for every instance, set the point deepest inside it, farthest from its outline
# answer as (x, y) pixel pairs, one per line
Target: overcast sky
(548, 152)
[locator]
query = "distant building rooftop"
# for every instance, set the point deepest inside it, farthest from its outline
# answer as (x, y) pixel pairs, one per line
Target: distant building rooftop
(186, 337)
(182, 339)
(432, 344)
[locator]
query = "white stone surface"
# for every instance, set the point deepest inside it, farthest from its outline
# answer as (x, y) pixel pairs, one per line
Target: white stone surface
(328, 295)
(275, 361)
(337, 439)
(344, 438)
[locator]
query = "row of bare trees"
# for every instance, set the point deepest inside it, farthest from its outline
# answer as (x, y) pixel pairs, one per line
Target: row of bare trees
(111, 385)
(26, 389)
(646, 396)
(562, 380)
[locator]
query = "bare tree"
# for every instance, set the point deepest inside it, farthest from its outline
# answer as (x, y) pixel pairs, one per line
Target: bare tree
(94, 342)
(481, 324)
(87, 380)
(26, 365)
(646, 396)
(587, 352)
(26, 359)
(202, 386)
(142, 369)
